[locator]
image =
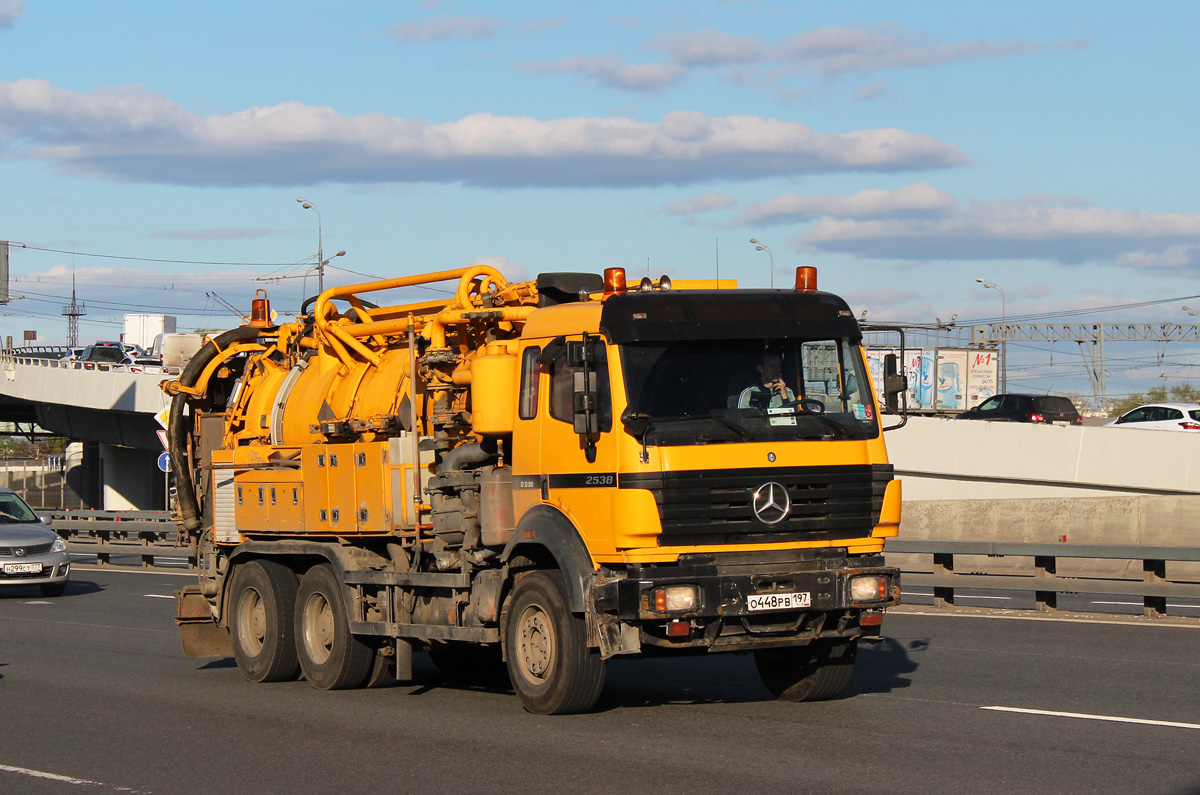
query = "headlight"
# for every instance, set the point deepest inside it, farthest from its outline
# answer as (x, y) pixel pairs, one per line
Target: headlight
(868, 588)
(671, 599)
(59, 545)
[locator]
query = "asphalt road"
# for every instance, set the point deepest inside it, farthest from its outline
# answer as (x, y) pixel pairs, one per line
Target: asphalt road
(95, 697)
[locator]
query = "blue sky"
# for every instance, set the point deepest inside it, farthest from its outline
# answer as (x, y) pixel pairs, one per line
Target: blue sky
(903, 149)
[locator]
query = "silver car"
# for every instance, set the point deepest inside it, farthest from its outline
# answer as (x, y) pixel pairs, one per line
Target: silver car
(30, 552)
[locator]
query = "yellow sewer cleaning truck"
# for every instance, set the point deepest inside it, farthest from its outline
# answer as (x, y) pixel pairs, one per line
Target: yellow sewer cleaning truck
(539, 475)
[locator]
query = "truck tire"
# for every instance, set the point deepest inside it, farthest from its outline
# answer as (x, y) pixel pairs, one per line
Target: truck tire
(550, 665)
(821, 670)
(330, 657)
(262, 603)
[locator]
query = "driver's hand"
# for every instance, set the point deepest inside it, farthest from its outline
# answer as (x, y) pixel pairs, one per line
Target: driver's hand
(778, 386)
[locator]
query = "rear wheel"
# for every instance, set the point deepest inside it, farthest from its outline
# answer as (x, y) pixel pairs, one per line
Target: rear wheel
(549, 663)
(818, 671)
(260, 622)
(331, 658)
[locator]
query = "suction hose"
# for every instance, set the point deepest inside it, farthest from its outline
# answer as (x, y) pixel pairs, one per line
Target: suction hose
(179, 426)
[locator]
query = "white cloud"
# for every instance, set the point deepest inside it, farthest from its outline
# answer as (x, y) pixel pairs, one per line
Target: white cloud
(704, 203)
(709, 48)
(443, 28)
(609, 71)
(827, 52)
(10, 12)
(132, 134)
(791, 208)
(1024, 229)
(833, 51)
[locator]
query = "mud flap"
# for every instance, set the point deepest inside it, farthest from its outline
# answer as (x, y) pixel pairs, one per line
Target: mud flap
(198, 631)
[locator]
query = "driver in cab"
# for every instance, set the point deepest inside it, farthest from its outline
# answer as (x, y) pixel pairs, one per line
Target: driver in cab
(770, 391)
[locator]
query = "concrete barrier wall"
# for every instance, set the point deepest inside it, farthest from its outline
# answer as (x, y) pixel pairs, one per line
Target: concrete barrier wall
(945, 459)
(92, 389)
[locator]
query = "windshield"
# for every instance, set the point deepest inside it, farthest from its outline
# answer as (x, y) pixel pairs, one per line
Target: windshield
(13, 509)
(706, 391)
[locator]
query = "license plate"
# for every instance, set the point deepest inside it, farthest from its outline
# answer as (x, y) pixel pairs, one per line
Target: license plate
(1060, 422)
(22, 568)
(778, 601)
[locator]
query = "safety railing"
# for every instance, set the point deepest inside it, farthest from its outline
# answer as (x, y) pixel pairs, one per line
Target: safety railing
(47, 359)
(1043, 579)
(123, 538)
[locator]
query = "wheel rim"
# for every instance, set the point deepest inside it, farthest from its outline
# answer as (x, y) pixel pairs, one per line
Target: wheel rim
(252, 621)
(318, 624)
(537, 645)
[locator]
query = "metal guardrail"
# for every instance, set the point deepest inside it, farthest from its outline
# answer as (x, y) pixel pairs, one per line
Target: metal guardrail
(1044, 581)
(150, 537)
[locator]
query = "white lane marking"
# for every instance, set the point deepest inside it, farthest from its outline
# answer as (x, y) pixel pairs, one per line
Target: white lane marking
(1008, 615)
(960, 596)
(39, 602)
(24, 771)
(1139, 604)
(1086, 716)
(159, 595)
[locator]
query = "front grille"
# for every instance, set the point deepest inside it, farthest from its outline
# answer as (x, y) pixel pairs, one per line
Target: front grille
(714, 506)
(39, 549)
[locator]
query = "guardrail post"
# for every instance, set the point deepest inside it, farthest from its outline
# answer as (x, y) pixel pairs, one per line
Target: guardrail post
(943, 563)
(1154, 571)
(1045, 566)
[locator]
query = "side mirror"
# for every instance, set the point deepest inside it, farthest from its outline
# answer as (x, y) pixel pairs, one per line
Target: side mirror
(894, 383)
(636, 424)
(46, 520)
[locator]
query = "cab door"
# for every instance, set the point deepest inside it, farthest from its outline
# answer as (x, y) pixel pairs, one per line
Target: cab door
(578, 444)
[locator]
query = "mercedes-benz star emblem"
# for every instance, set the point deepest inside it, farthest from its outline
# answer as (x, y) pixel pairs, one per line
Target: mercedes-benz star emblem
(771, 503)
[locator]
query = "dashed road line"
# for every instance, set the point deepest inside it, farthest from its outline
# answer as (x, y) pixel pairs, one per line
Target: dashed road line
(1087, 716)
(84, 782)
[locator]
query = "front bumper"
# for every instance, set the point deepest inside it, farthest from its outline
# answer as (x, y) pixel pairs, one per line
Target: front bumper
(56, 567)
(722, 618)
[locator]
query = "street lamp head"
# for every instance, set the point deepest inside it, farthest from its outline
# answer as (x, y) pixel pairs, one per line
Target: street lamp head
(980, 281)
(301, 200)
(340, 254)
(759, 248)
(755, 242)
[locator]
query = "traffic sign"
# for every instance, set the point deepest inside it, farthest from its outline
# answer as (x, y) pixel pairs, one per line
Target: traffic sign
(162, 437)
(164, 462)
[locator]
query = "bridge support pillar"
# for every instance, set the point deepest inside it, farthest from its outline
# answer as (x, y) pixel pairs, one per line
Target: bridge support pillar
(130, 480)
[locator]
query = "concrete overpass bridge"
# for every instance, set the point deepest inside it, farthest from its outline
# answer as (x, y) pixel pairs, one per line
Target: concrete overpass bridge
(110, 408)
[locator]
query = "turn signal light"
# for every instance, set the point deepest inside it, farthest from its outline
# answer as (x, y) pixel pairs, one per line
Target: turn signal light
(671, 599)
(868, 588)
(614, 281)
(806, 279)
(678, 629)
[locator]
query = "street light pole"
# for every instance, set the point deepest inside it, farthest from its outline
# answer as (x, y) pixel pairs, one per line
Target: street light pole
(321, 261)
(762, 247)
(1004, 339)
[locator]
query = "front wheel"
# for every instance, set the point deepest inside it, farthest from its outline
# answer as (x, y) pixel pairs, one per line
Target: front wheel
(550, 665)
(331, 657)
(821, 670)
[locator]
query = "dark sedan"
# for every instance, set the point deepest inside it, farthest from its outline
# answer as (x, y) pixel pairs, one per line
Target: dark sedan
(1049, 409)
